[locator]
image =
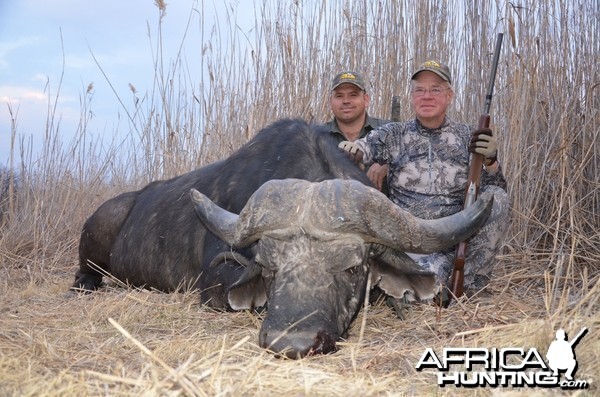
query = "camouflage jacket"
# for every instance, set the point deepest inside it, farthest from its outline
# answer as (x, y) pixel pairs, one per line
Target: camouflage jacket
(428, 167)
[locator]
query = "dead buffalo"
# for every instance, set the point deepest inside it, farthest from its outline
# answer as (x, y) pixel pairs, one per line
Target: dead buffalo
(317, 244)
(152, 238)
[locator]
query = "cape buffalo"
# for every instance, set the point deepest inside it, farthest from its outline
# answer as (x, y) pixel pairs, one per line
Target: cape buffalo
(317, 245)
(304, 251)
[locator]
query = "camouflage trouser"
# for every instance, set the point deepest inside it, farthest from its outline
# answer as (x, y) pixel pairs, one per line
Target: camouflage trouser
(482, 248)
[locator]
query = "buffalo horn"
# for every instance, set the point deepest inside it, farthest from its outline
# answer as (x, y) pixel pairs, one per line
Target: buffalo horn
(385, 223)
(226, 225)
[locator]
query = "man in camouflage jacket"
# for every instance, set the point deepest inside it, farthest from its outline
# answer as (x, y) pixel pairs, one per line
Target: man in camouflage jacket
(428, 160)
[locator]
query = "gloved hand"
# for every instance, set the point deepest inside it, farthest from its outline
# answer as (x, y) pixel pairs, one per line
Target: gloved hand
(353, 149)
(484, 142)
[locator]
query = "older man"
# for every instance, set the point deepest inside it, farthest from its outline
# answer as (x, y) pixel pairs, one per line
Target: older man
(428, 160)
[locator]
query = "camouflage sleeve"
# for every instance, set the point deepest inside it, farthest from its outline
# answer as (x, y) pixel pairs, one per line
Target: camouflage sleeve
(363, 146)
(379, 144)
(495, 179)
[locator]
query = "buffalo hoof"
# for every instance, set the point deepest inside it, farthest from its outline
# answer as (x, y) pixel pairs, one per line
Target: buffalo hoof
(86, 283)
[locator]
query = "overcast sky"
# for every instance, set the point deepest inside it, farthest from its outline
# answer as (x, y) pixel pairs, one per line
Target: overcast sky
(36, 34)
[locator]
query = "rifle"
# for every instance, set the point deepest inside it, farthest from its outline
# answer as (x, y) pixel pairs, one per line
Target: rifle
(395, 108)
(472, 191)
(578, 337)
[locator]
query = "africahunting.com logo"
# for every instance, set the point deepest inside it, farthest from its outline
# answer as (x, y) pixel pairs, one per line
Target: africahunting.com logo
(511, 366)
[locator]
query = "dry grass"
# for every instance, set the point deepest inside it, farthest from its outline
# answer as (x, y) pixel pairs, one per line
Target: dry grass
(123, 342)
(130, 342)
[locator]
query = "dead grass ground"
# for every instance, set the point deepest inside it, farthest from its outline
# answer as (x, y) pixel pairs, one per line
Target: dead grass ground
(123, 342)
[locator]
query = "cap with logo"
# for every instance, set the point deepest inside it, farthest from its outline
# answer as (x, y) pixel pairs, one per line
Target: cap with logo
(438, 68)
(348, 77)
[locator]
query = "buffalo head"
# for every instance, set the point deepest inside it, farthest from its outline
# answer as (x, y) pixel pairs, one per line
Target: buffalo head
(316, 246)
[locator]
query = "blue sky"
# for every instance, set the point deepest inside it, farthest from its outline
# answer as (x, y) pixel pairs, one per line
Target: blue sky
(119, 33)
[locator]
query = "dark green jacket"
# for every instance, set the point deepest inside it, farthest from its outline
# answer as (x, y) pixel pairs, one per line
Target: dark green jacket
(371, 124)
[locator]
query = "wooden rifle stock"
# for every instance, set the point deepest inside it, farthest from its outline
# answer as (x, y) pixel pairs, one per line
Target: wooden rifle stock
(472, 188)
(471, 194)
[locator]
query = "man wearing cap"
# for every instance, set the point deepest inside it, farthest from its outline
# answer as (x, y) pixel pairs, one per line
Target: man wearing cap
(428, 160)
(349, 101)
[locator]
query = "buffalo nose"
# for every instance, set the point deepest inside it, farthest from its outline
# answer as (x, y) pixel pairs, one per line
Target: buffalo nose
(298, 344)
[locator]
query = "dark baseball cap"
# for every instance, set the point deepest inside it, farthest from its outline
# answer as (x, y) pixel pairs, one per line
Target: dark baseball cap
(348, 77)
(438, 68)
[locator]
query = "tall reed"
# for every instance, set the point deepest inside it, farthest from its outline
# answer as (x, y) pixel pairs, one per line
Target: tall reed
(545, 109)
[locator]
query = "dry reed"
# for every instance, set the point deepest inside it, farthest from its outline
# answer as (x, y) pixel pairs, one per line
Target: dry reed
(128, 342)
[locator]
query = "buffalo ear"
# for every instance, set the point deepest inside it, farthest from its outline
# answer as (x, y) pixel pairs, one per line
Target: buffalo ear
(249, 292)
(397, 274)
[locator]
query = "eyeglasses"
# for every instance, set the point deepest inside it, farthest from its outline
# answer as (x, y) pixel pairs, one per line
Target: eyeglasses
(434, 91)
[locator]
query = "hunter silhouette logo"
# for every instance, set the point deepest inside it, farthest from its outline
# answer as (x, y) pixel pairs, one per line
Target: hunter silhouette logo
(508, 366)
(561, 353)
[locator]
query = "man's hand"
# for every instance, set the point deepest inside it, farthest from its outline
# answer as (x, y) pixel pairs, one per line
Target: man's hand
(377, 174)
(353, 149)
(484, 142)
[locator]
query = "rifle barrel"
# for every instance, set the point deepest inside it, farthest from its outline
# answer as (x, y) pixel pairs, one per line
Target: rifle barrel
(577, 337)
(490, 92)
